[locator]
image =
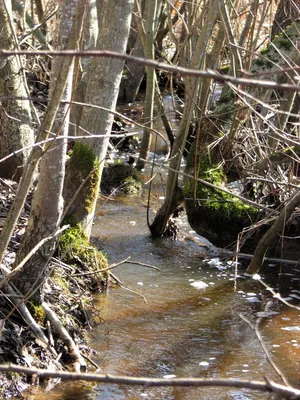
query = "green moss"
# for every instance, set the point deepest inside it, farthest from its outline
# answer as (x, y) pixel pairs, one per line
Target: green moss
(285, 43)
(213, 213)
(120, 178)
(226, 97)
(74, 249)
(264, 51)
(36, 311)
(84, 165)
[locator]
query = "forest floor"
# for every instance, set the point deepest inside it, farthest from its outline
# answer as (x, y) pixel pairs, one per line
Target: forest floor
(69, 298)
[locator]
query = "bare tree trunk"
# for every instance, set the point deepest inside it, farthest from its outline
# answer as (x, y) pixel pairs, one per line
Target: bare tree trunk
(151, 11)
(47, 204)
(16, 124)
(103, 81)
(134, 72)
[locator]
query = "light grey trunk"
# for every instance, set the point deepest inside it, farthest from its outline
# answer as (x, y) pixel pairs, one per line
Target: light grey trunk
(16, 125)
(151, 8)
(103, 81)
(47, 204)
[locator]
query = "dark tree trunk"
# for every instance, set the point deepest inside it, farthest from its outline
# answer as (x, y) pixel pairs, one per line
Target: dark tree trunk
(287, 12)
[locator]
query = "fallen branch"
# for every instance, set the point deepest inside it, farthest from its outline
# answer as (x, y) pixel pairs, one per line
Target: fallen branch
(265, 348)
(79, 363)
(263, 386)
(24, 312)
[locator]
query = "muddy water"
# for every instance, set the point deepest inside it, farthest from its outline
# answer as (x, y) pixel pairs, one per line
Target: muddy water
(190, 324)
(182, 320)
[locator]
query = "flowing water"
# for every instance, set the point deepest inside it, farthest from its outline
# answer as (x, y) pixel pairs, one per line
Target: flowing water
(182, 320)
(185, 319)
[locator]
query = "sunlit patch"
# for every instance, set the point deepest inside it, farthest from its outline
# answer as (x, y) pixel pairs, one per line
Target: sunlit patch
(253, 300)
(291, 328)
(256, 277)
(204, 364)
(199, 284)
(264, 314)
(169, 376)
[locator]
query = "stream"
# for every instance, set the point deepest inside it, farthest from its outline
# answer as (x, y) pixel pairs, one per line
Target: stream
(183, 320)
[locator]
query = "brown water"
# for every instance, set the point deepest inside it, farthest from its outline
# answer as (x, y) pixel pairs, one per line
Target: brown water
(182, 330)
(191, 325)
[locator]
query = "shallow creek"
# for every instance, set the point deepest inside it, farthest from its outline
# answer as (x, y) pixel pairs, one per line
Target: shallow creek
(191, 324)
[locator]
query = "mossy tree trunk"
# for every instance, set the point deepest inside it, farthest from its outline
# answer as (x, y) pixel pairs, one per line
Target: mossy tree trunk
(47, 204)
(16, 122)
(104, 75)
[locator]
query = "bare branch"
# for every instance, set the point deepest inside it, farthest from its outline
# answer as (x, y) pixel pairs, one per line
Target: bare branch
(263, 386)
(161, 65)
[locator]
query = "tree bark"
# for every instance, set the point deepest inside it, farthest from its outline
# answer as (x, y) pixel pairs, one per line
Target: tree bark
(134, 72)
(103, 81)
(151, 11)
(47, 204)
(16, 125)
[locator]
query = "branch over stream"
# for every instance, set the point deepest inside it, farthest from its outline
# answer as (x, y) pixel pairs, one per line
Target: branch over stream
(286, 392)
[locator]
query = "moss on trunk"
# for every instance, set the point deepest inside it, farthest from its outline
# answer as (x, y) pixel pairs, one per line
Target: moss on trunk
(82, 186)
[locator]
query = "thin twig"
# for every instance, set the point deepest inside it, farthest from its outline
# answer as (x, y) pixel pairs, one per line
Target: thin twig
(117, 265)
(264, 347)
(122, 286)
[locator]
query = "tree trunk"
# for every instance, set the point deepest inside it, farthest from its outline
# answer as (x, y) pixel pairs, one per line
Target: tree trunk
(16, 124)
(151, 11)
(104, 76)
(174, 194)
(287, 12)
(272, 235)
(47, 204)
(134, 72)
